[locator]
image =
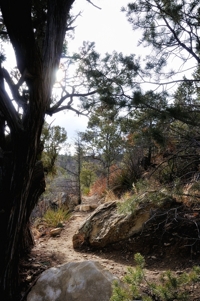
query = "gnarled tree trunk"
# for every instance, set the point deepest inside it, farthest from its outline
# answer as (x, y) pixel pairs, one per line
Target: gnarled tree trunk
(21, 172)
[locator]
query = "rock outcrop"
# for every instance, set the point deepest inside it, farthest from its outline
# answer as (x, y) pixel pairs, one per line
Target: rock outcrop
(74, 281)
(106, 226)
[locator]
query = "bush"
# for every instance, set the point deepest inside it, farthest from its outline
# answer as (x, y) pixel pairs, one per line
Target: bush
(135, 285)
(99, 187)
(53, 218)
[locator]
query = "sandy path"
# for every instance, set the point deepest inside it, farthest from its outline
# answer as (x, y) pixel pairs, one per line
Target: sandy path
(60, 250)
(53, 251)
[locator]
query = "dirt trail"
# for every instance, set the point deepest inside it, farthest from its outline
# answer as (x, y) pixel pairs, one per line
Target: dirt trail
(59, 250)
(159, 255)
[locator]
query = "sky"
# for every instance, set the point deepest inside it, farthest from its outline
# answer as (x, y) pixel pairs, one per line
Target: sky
(107, 26)
(110, 30)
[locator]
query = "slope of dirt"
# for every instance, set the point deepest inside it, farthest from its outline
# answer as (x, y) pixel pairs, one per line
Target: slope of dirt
(168, 241)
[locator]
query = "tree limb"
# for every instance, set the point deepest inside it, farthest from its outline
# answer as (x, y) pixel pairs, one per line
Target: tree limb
(20, 100)
(93, 4)
(56, 108)
(7, 108)
(63, 108)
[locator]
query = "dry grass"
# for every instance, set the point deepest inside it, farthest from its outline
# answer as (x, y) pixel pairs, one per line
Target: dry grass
(53, 218)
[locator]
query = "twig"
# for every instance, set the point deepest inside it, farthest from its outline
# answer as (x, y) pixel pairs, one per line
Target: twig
(93, 4)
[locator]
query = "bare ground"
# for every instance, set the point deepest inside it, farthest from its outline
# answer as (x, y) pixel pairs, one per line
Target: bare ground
(168, 241)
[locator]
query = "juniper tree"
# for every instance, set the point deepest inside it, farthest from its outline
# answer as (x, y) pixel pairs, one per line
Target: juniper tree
(36, 30)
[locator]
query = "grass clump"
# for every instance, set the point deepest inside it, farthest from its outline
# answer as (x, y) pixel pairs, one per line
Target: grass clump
(170, 287)
(55, 218)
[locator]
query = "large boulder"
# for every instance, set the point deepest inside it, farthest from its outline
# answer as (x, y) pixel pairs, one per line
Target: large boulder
(106, 226)
(74, 281)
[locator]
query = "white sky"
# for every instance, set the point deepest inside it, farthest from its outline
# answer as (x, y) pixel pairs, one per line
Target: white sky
(108, 27)
(110, 31)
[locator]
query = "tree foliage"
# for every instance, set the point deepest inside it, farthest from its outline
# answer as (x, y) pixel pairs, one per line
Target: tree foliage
(162, 124)
(171, 29)
(103, 139)
(123, 111)
(53, 139)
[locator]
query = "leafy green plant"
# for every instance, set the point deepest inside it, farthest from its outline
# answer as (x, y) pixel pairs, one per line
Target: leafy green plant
(53, 218)
(171, 287)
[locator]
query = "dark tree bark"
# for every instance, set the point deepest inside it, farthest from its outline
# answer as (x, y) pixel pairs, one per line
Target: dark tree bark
(21, 172)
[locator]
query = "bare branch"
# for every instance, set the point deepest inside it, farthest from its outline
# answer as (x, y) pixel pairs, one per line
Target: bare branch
(73, 20)
(189, 50)
(7, 108)
(93, 4)
(70, 28)
(63, 108)
(20, 100)
(56, 108)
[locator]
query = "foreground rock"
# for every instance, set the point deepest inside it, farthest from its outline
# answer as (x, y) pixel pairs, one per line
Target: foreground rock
(74, 281)
(106, 226)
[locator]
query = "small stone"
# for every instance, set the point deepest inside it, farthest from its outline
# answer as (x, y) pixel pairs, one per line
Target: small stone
(35, 266)
(29, 278)
(179, 272)
(55, 232)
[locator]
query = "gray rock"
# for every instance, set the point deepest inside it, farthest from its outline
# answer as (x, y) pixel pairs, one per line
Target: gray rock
(86, 207)
(74, 281)
(106, 226)
(70, 202)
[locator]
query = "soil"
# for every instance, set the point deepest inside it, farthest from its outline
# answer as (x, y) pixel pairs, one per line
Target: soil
(170, 240)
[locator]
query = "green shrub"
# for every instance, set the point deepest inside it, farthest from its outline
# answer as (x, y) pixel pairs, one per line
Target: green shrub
(171, 287)
(53, 218)
(85, 191)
